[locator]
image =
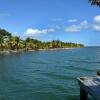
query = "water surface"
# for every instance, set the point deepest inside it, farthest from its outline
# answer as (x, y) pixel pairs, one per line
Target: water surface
(46, 75)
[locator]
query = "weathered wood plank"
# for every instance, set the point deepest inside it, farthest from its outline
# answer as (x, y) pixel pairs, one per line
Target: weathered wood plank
(91, 86)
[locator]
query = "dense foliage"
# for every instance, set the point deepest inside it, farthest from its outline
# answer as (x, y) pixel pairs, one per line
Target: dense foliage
(9, 42)
(95, 2)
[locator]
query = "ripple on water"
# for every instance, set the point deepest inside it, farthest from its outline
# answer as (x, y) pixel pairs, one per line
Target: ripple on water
(46, 75)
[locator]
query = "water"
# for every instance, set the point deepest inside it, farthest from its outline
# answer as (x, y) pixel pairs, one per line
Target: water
(46, 75)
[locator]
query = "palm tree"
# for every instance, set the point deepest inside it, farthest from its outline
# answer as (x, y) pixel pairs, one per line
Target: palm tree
(7, 41)
(17, 40)
(95, 2)
(3, 37)
(1, 43)
(14, 43)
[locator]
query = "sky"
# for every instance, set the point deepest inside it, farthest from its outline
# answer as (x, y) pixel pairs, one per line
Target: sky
(48, 20)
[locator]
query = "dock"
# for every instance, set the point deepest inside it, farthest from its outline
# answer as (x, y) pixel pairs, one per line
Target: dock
(91, 86)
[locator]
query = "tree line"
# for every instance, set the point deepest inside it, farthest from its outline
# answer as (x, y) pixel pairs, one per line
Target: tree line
(9, 42)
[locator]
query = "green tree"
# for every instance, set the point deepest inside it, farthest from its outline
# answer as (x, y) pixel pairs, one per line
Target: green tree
(3, 36)
(14, 43)
(7, 41)
(95, 2)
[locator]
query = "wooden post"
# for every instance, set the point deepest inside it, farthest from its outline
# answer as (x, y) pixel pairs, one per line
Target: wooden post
(83, 94)
(98, 73)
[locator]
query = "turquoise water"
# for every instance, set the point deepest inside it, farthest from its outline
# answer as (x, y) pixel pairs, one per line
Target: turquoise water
(46, 75)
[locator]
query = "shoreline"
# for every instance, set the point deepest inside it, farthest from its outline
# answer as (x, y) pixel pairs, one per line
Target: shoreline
(23, 50)
(54, 49)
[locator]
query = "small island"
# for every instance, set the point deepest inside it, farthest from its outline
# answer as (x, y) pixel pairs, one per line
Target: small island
(9, 43)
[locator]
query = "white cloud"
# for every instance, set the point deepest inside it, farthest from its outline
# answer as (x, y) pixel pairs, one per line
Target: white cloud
(84, 24)
(37, 32)
(96, 25)
(77, 28)
(72, 20)
(96, 28)
(97, 19)
(73, 28)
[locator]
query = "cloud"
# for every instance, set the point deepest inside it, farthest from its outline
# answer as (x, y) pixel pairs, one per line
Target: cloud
(97, 19)
(72, 20)
(84, 24)
(37, 32)
(96, 28)
(77, 28)
(96, 25)
(73, 28)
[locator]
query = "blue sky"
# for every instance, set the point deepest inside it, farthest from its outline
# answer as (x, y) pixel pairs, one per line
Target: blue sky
(52, 19)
